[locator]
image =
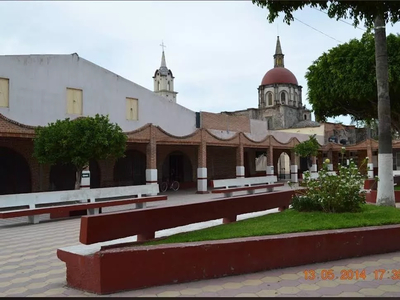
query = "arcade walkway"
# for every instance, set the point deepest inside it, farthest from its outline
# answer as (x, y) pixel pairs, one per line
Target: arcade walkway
(29, 266)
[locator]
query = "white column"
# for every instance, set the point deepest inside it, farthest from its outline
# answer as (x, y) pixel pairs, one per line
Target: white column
(293, 173)
(370, 167)
(270, 170)
(151, 176)
(202, 180)
(314, 168)
(239, 171)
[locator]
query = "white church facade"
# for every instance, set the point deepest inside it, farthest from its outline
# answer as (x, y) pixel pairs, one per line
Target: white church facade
(39, 89)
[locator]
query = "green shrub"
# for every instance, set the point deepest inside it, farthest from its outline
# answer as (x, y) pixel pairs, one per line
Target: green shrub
(332, 193)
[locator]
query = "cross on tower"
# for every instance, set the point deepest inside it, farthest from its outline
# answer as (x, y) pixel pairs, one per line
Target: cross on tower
(162, 45)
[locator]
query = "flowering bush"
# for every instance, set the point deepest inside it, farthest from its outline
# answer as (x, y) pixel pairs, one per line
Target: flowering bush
(331, 192)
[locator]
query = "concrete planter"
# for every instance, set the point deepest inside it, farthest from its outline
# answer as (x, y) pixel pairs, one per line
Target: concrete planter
(113, 269)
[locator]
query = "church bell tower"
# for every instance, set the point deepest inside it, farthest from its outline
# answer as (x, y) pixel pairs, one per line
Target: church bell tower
(164, 80)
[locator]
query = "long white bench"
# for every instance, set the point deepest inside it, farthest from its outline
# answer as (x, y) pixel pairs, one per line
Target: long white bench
(35, 204)
(249, 184)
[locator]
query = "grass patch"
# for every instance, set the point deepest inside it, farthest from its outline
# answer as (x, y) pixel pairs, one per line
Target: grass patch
(397, 188)
(289, 221)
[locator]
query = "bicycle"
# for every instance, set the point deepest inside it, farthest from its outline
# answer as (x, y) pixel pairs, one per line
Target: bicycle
(172, 185)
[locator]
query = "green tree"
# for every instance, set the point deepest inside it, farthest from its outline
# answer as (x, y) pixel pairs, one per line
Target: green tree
(78, 141)
(346, 73)
(307, 148)
(376, 14)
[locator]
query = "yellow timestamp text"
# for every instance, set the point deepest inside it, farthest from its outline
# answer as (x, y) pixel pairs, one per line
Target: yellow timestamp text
(349, 274)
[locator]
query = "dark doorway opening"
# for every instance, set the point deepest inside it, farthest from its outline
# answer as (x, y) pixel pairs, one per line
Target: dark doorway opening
(131, 169)
(177, 166)
(15, 175)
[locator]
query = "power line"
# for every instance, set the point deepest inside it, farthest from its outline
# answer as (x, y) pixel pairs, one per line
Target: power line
(318, 30)
(341, 20)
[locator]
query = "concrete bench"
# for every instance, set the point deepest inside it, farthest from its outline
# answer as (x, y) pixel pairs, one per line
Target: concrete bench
(34, 204)
(145, 222)
(249, 184)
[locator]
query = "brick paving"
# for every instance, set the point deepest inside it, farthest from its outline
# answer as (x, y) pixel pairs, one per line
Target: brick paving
(29, 266)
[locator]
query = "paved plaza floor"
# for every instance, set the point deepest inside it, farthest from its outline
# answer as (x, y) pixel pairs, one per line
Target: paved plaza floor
(29, 266)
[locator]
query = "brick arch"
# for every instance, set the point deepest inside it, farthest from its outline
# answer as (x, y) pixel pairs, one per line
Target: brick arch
(15, 172)
(164, 151)
(181, 162)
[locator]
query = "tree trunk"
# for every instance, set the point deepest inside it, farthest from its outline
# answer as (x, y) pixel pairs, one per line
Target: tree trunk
(385, 193)
(78, 177)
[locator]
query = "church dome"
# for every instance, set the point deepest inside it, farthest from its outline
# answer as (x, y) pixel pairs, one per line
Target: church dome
(279, 75)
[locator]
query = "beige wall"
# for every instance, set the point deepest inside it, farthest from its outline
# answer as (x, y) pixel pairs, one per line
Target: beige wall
(307, 130)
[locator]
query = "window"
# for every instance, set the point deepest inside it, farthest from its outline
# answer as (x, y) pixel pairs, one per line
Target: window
(270, 99)
(132, 109)
(283, 98)
(305, 117)
(168, 87)
(4, 92)
(74, 101)
(158, 84)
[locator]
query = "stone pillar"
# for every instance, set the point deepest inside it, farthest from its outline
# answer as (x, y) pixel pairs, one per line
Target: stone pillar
(293, 168)
(330, 157)
(239, 162)
(202, 169)
(151, 165)
(370, 163)
(314, 168)
(151, 162)
(270, 161)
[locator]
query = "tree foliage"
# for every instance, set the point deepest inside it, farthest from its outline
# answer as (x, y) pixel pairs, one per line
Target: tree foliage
(343, 81)
(358, 11)
(78, 141)
(307, 148)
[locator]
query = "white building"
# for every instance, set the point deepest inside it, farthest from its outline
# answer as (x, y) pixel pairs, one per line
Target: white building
(39, 89)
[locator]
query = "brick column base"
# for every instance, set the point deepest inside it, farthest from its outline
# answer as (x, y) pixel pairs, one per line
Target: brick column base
(201, 181)
(294, 174)
(239, 171)
(270, 170)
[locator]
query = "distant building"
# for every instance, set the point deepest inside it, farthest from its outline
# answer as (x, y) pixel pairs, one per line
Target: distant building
(279, 98)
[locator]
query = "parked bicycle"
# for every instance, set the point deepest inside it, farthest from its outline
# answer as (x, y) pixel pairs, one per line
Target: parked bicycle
(172, 185)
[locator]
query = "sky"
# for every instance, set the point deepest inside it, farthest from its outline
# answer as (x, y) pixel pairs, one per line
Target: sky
(218, 51)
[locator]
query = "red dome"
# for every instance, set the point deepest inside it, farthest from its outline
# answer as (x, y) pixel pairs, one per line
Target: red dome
(279, 75)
